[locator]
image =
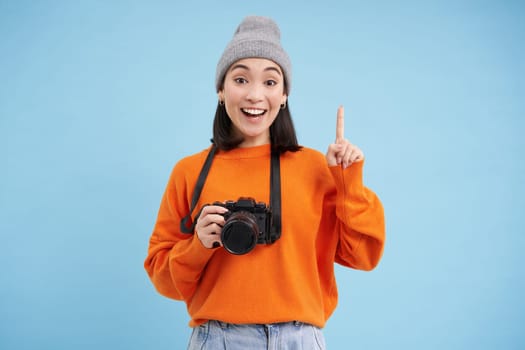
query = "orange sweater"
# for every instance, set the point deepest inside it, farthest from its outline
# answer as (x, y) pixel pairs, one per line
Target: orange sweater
(327, 216)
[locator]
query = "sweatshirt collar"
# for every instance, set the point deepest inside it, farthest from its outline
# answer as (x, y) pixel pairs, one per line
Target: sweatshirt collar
(246, 152)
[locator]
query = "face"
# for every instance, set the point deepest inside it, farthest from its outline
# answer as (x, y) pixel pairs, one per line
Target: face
(253, 92)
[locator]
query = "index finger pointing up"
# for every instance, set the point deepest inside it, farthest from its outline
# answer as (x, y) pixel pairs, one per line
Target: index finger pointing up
(340, 126)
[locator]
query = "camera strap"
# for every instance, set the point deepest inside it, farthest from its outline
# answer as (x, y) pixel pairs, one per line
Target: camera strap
(185, 227)
(275, 194)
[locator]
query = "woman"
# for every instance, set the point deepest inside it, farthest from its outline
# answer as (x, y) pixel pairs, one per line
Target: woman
(280, 293)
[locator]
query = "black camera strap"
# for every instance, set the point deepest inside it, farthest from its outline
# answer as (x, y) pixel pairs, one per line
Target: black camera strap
(185, 227)
(275, 194)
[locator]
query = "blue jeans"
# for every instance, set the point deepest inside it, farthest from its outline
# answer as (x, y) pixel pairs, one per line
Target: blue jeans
(216, 335)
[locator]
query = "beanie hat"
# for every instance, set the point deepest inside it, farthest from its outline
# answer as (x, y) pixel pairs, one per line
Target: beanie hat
(256, 37)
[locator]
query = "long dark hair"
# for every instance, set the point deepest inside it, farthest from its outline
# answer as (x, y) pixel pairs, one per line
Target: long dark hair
(282, 132)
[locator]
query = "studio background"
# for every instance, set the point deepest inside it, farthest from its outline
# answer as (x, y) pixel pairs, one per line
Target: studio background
(99, 99)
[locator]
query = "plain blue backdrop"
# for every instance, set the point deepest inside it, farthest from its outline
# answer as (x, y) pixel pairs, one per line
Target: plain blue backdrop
(99, 99)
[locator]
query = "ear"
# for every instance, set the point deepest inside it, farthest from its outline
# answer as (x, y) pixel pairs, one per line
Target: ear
(220, 95)
(284, 99)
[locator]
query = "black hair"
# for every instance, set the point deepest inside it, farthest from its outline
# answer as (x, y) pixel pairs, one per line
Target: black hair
(282, 132)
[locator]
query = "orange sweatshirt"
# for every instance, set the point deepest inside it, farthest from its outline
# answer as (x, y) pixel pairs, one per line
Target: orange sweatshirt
(327, 216)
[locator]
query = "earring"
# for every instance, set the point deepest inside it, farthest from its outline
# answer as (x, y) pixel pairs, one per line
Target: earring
(283, 105)
(221, 103)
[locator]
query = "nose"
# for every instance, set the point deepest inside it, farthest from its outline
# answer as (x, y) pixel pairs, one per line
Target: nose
(254, 93)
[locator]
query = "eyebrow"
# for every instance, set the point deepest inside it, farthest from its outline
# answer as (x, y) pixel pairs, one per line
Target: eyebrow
(242, 66)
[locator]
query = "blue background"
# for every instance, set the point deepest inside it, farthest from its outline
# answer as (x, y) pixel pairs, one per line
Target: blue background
(99, 99)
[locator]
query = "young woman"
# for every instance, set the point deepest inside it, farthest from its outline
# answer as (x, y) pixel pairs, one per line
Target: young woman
(250, 244)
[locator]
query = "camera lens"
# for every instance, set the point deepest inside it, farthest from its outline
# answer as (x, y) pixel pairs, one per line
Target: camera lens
(239, 233)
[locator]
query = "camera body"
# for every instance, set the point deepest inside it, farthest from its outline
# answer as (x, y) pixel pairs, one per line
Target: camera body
(248, 223)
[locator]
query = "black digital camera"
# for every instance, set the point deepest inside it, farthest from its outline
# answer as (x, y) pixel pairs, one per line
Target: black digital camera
(247, 223)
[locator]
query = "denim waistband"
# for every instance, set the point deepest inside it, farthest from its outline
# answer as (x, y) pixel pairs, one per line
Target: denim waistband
(220, 335)
(225, 325)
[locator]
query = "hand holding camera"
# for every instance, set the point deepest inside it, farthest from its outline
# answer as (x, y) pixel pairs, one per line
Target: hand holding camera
(209, 225)
(238, 226)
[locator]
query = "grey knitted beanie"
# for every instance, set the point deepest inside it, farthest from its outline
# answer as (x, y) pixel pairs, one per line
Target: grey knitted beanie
(256, 37)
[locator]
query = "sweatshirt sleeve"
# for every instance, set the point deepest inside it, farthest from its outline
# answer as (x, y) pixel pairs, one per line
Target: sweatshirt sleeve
(360, 219)
(175, 260)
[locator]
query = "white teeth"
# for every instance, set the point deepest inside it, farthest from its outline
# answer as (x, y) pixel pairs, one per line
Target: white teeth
(253, 111)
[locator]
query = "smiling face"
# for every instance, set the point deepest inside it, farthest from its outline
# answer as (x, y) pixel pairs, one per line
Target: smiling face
(253, 92)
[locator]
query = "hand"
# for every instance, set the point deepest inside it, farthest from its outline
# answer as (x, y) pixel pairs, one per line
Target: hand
(209, 225)
(342, 152)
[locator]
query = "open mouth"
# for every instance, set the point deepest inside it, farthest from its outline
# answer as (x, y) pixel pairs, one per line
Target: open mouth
(253, 112)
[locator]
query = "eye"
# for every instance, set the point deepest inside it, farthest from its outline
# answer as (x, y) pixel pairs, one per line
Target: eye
(271, 82)
(240, 80)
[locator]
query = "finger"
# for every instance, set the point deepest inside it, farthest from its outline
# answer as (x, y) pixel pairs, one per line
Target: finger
(215, 219)
(351, 158)
(352, 155)
(339, 150)
(211, 230)
(332, 154)
(216, 242)
(213, 209)
(208, 219)
(210, 213)
(346, 156)
(340, 125)
(209, 234)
